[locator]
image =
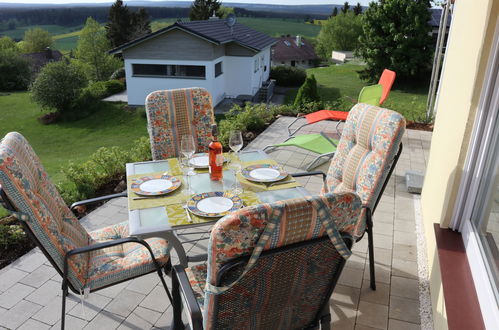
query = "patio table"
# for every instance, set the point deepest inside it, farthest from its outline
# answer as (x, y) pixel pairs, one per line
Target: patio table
(155, 222)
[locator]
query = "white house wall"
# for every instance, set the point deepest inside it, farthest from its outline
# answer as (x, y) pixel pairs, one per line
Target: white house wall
(238, 71)
(237, 78)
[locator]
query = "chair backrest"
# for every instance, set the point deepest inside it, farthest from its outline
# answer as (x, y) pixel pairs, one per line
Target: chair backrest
(177, 112)
(290, 283)
(371, 94)
(39, 206)
(386, 80)
(367, 148)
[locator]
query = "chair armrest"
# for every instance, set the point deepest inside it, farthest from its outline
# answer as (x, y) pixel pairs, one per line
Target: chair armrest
(298, 175)
(98, 199)
(182, 284)
(103, 245)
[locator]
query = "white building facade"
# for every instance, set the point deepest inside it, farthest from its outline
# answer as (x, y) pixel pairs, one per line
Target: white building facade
(182, 57)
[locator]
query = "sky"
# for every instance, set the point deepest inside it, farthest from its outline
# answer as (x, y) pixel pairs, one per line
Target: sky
(274, 2)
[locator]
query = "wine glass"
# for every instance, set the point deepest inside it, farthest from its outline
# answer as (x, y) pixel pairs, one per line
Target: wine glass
(188, 148)
(236, 143)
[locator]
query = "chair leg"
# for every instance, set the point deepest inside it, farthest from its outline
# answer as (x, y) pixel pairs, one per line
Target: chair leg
(160, 274)
(326, 318)
(371, 257)
(64, 294)
(177, 305)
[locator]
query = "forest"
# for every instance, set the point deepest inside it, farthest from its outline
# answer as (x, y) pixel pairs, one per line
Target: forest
(10, 18)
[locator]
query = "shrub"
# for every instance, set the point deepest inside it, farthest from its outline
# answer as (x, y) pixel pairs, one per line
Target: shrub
(114, 86)
(11, 234)
(58, 86)
(102, 89)
(106, 165)
(15, 71)
(288, 76)
(307, 92)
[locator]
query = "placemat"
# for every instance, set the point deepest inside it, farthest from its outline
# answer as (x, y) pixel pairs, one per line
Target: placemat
(255, 186)
(148, 202)
(177, 216)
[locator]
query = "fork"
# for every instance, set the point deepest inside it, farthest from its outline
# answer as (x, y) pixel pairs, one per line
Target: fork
(188, 213)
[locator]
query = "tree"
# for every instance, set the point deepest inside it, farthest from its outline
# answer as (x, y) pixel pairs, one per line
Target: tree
(92, 50)
(7, 43)
(224, 11)
(396, 36)
(335, 11)
(203, 10)
(15, 69)
(339, 33)
(307, 92)
(124, 26)
(118, 27)
(346, 8)
(58, 86)
(36, 40)
(357, 10)
(141, 25)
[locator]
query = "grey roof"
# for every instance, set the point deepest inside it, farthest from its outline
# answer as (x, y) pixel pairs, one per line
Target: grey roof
(214, 30)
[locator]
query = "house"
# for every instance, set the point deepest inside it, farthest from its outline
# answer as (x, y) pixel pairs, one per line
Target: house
(227, 61)
(459, 200)
(294, 51)
(40, 59)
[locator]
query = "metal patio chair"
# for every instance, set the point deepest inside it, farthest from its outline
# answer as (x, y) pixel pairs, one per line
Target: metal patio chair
(176, 112)
(368, 151)
(87, 261)
(270, 266)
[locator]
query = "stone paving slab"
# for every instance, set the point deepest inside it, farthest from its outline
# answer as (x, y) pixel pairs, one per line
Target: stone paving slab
(30, 295)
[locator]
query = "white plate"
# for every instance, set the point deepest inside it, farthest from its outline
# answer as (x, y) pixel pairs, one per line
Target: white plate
(215, 204)
(265, 173)
(156, 185)
(200, 161)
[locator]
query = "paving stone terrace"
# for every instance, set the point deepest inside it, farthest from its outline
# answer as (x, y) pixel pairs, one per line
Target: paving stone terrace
(30, 289)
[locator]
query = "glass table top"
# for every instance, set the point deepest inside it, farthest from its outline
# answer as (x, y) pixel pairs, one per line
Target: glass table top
(155, 219)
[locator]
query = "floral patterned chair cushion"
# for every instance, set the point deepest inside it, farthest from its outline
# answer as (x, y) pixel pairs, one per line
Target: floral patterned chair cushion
(177, 112)
(28, 187)
(370, 140)
(39, 204)
(123, 261)
(295, 220)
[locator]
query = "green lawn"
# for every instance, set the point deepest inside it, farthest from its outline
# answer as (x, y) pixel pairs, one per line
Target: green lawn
(54, 30)
(59, 143)
(66, 44)
(342, 80)
(276, 27)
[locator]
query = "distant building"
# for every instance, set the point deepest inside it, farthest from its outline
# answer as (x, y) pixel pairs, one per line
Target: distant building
(294, 51)
(228, 61)
(40, 59)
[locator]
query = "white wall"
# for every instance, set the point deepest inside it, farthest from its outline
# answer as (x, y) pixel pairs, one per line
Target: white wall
(237, 72)
(238, 77)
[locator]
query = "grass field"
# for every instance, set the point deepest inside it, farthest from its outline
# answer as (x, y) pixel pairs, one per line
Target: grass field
(54, 30)
(342, 80)
(66, 37)
(57, 144)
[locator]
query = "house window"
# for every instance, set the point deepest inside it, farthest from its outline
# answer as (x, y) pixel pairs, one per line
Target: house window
(256, 64)
(218, 69)
(293, 63)
(169, 70)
